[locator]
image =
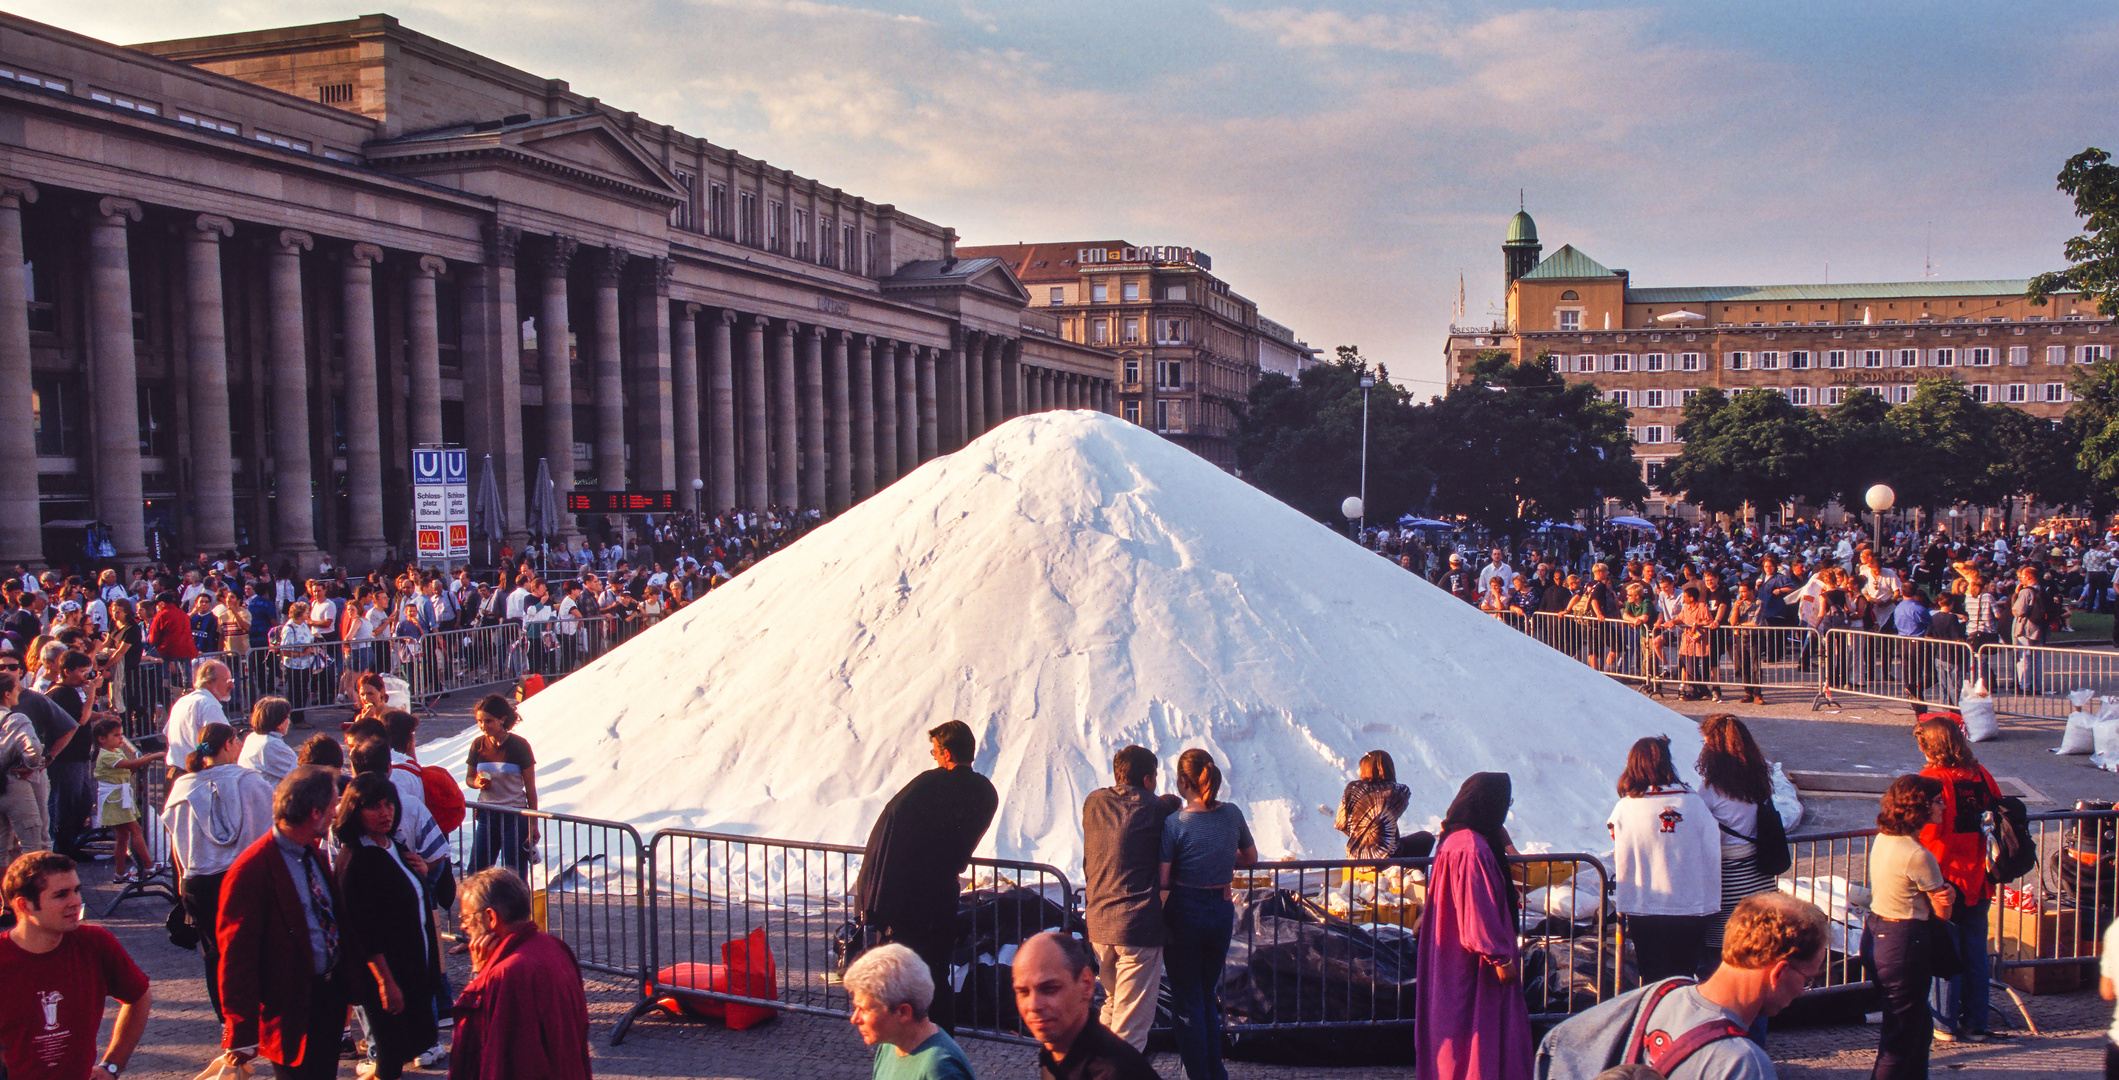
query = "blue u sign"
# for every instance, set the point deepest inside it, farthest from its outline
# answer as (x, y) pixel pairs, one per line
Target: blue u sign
(426, 466)
(453, 467)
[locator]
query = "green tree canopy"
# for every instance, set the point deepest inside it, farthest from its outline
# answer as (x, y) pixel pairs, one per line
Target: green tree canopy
(1755, 447)
(1947, 450)
(2094, 182)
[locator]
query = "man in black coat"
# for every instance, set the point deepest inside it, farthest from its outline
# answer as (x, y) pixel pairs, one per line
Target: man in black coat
(907, 889)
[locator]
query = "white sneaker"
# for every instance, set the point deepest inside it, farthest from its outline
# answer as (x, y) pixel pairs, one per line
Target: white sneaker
(435, 1056)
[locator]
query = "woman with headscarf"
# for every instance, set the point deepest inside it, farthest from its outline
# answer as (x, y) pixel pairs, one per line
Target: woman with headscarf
(1470, 1022)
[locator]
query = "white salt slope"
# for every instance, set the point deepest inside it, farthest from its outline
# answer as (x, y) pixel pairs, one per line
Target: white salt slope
(1068, 584)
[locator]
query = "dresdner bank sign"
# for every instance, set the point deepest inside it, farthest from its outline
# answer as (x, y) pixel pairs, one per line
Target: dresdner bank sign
(1091, 256)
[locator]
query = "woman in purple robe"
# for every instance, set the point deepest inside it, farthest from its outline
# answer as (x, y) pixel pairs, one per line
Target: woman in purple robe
(1470, 1021)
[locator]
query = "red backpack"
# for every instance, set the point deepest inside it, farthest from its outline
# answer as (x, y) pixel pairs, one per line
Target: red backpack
(445, 800)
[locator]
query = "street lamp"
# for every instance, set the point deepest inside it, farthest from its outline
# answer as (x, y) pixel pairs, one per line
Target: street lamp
(698, 485)
(1368, 381)
(1880, 498)
(1351, 508)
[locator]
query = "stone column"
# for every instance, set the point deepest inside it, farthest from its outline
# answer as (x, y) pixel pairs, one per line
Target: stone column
(424, 330)
(206, 370)
(21, 529)
(610, 373)
(684, 388)
(1012, 378)
(839, 433)
(757, 455)
(654, 420)
(883, 355)
(113, 378)
(904, 365)
(930, 420)
(813, 419)
(364, 440)
(955, 414)
(1044, 389)
(787, 491)
(974, 384)
(293, 507)
(492, 355)
(861, 367)
(996, 412)
(721, 412)
(555, 361)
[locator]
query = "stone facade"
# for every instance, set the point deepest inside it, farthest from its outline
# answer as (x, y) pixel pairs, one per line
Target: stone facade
(260, 267)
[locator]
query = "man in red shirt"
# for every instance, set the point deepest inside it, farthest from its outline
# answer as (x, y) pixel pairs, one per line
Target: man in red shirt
(54, 974)
(170, 634)
(523, 1016)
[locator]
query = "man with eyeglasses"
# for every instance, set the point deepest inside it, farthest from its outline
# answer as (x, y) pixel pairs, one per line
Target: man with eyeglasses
(1773, 949)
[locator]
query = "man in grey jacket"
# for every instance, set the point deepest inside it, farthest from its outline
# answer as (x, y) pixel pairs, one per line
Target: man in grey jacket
(1122, 828)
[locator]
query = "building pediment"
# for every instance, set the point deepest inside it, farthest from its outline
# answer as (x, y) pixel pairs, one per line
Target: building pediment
(987, 276)
(588, 150)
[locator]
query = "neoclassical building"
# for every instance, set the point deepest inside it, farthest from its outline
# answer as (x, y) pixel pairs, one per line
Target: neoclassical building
(259, 268)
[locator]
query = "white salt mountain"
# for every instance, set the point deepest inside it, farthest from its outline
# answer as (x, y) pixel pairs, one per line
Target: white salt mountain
(1068, 584)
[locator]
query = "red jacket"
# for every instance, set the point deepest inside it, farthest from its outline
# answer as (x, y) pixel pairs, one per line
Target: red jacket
(524, 1016)
(1960, 847)
(267, 964)
(170, 634)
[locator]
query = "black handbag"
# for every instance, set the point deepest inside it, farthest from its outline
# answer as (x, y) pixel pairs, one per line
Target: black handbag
(182, 934)
(1943, 960)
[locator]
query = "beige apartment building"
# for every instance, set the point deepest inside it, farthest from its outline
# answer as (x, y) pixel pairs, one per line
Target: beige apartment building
(1651, 349)
(261, 267)
(1188, 347)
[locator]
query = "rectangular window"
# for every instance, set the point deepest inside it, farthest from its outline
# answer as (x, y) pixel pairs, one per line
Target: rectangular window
(1738, 361)
(1945, 357)
(1688, 361)
(2056, 391)
(1131, 368)
(1059, 295)
(870, 254)
(1570, 320)
(1170, 374)
(1981, 392)
(1131, 330)
(127, 101)
(1622, 361)
(1652, 362)
(34, 79)
(1832, 395)
(1798, 395)
(717, 209)
(1686, 395)
(1169, 415)
(335, 94)
(1909, 358)
(1980, 357)
(2017, 393)
(284, 142)
(2019, 355)
(1901, 394)
(1174, 292)
(683, 216)
(1652, 399)
(849, 238)
(1872, 358)
(827, 249)
(1653, 433)
(58, 414)
(1769, 361)
(2056, 354)
(801, 232)
(1099, 331)
(1585, 364)
(747, 218)
(1130, 291)
(2094, 354)
(1132, 412)
(775, 225)
(1622, 398)
(1099, 293)
(1171, 332)
(1836, 358)
(1799, 361)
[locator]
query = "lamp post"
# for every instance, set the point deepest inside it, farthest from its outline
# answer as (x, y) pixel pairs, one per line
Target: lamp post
(1351, 508)
(1368, 382)
(698, 485)
(1880, 498)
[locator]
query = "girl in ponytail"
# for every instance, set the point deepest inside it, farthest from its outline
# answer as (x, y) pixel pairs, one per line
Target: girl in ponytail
(1196, 767)
(1202, 845)
(214, 743)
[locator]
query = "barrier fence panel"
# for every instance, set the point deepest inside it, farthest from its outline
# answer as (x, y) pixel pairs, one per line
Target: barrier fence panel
(2035, 681)
(1831, 870)
(587, 878)
(1611, 646)
(2056, 913)
(1773, 662)
(449, 661)
(717, 899)
(148, 687)
(157, 878)
(1918, 671)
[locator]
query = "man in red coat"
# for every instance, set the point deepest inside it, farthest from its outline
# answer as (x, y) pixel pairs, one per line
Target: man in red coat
(281, 988)
(524, 1016)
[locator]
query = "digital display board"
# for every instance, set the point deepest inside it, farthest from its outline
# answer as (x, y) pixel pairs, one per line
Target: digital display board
(621, 502)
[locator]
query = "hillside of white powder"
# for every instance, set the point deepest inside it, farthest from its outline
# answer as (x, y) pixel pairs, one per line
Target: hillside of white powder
(1068, 584)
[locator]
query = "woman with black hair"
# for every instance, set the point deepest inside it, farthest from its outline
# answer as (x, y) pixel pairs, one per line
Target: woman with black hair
(390, 930)
(1735, 780)
(1908, 894)
(1666, 860)
(1470, 1020)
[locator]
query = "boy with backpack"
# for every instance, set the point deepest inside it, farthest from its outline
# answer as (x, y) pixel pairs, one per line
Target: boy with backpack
(1773, 947)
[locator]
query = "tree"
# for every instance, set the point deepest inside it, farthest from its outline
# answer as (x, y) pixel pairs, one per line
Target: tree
(2036, 459)
(1754, 448)
(1520, 444)
(1300, 440)
(1948, 451)
(2094, 182)
(2093, 423)
(1861, 450)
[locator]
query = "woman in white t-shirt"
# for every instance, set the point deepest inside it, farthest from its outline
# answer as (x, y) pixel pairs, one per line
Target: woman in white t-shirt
(1667, 861)
(1907, 894)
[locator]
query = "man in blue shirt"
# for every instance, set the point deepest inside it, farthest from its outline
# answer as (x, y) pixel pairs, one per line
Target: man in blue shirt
(1910, 621)
(1774, 587)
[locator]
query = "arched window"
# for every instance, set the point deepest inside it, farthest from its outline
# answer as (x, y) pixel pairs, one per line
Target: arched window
(1570, 295)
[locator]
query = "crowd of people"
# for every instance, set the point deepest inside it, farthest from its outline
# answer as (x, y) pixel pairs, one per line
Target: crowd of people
(1666, 604)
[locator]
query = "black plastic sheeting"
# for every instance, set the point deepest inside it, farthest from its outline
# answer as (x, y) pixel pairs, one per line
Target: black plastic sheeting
(988, 922)
(1290, 961)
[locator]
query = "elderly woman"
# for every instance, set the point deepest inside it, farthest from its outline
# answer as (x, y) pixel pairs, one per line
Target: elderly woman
(1908, 894)
(891, 989)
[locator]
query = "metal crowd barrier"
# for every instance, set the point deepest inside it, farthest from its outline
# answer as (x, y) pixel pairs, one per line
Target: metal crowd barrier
(449, 661)
(1827, 867)
(150, 786)
(2035, 680)
(155, 683)
(709, 893)
(587, 878)
(1887, 667)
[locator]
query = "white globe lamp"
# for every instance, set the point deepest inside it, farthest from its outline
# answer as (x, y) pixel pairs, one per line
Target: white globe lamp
(1351, 508)
(1880, 498)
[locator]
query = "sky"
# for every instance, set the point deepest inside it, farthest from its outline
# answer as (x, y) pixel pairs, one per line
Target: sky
(1344, 163)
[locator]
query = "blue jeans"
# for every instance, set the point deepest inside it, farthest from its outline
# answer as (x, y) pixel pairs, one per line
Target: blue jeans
(1200, 922)
(497, 837)
(1962, 1003)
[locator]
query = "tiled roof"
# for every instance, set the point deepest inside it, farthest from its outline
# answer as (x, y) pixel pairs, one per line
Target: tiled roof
(1858, 291)
(1034, 263)
(1569, 263)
